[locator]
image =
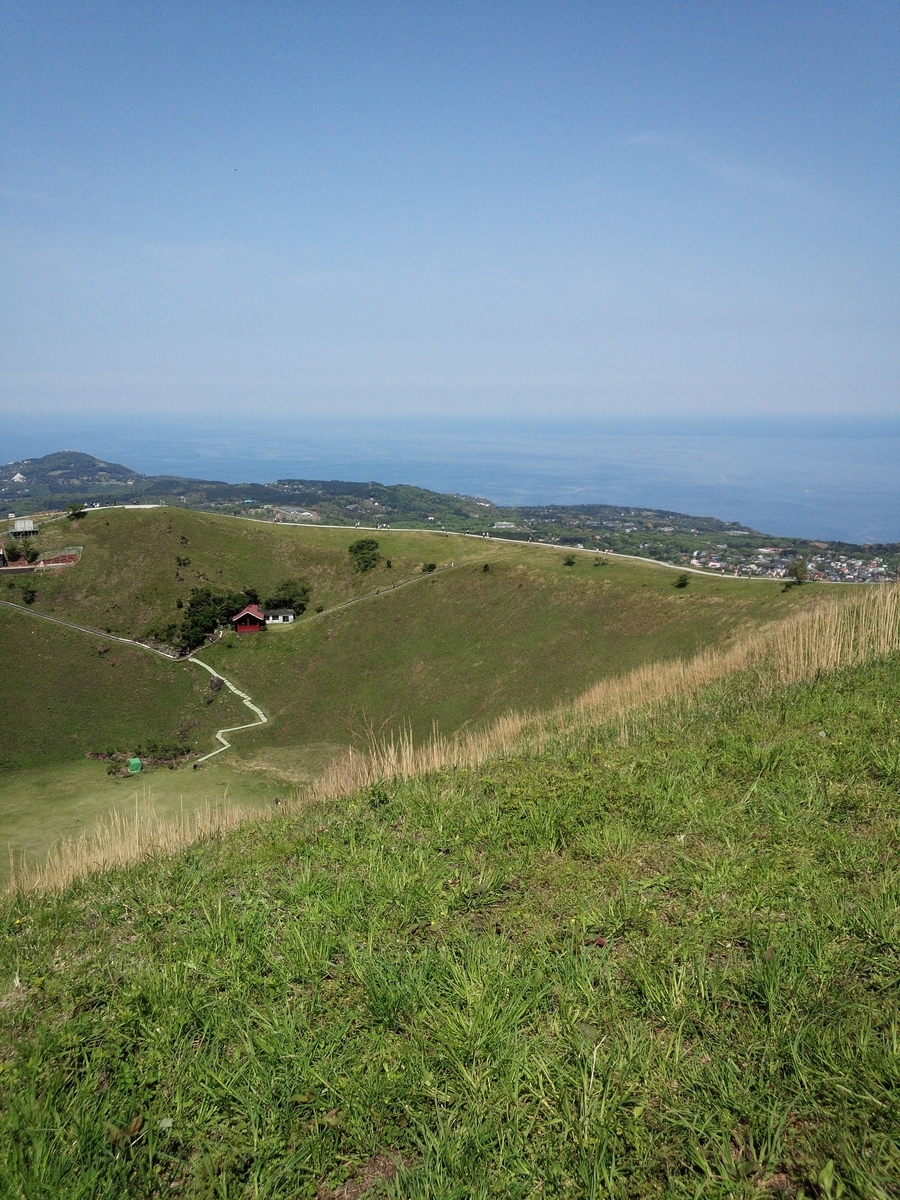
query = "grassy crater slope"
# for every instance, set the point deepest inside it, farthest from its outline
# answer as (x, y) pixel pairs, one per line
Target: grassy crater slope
(456, 648)
(659, 967)
(137, 564)
(66, 694)
(465, 645)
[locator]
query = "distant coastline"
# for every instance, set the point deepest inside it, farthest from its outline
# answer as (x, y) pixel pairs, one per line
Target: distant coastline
(74, 485)
(828, 480)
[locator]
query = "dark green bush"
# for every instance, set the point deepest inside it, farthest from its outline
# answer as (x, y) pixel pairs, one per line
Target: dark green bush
(364, 553)
(290, 593)
(206, 610)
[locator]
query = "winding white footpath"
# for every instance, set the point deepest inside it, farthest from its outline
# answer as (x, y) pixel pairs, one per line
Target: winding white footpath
(111, 637)
(220, 734)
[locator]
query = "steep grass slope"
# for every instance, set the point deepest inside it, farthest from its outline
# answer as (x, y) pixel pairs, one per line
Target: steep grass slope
(657, 965)
(66, 694)
(465, 645)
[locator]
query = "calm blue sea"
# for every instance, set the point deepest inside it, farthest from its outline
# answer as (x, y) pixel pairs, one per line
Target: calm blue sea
(830, 480)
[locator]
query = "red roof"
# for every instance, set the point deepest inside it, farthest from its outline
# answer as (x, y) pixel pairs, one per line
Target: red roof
(250, 610)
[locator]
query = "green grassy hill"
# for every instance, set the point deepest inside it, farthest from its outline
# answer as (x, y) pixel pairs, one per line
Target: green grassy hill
(65, 696)
(457, 648)
(463, 646)
(137, 564)
(658, 965)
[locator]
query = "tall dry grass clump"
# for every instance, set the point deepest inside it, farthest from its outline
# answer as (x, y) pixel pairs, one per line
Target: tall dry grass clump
(837, 632)
(122, 838)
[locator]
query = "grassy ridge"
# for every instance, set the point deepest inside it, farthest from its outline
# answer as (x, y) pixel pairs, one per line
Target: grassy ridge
(664, 966)
(129, 578)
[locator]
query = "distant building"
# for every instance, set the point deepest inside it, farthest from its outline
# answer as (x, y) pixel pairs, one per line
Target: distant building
(278, 616)
(251, 619)
(295, 514)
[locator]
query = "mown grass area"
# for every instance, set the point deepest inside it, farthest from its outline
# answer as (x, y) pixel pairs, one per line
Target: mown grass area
(42, 806)
(463, 646)
(659, 966)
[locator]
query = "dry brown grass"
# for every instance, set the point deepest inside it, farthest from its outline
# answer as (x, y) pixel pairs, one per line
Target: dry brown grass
(838, 632)
(120, 839)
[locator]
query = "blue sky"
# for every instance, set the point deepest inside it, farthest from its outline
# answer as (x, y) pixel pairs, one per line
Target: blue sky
(641, 210)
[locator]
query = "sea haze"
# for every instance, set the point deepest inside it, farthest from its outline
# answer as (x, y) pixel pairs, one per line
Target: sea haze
(814, 479)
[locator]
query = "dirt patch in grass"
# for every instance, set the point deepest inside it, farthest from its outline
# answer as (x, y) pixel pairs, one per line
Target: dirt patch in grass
(381, 1168)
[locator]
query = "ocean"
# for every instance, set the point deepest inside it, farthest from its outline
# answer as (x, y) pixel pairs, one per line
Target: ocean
(834, 480)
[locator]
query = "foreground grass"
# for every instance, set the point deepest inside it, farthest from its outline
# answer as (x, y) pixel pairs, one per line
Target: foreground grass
(663, 966)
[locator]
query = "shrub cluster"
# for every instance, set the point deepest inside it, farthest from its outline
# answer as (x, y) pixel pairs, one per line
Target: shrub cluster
(364, 553)
(290, 593)
(155, 752)
(206, 610)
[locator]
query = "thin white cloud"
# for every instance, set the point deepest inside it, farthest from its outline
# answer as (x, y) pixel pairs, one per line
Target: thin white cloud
(742, 173)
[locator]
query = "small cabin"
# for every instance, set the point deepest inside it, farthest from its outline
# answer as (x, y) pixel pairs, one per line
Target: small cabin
(278, 616)
(251, 619)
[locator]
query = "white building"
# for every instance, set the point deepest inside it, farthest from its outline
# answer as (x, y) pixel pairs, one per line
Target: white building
(279, 616)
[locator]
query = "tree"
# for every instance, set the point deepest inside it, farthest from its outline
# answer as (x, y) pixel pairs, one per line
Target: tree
(427, 568)
(31, 552)
(205, 611)
(14, 551)
(797, 571)
(682, 581)
(364, 553)
(75, 511)
(290, 593)
(569, 560)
